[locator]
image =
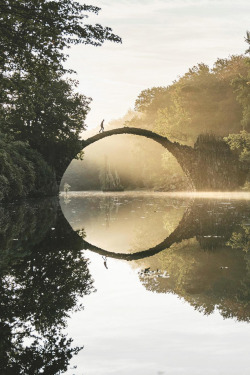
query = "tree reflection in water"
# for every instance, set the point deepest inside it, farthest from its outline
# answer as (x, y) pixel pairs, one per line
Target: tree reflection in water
(210, 267)
(205, 260)
(43, 273)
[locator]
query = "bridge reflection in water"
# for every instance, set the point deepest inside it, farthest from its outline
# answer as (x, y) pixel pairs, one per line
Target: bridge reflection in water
(197, 249)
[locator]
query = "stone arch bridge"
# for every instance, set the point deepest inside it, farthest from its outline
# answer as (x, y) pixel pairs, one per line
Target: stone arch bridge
(209, 166)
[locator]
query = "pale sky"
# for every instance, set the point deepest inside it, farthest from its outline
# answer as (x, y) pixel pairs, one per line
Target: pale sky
(161, 40)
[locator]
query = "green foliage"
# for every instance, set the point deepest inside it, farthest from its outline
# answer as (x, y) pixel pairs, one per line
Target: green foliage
(23, 171)
(241, 144)
(39, 30)
(42, 275)
(173, 121)
(38, 104)
(241, 86)
(151, 99)
(44, 110)
(203, 100)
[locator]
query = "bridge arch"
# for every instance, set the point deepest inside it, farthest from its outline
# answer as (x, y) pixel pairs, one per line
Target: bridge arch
(210, 167)
(182, 153)
(165, 142)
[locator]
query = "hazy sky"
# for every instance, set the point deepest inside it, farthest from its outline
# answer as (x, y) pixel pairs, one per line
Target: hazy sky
(161, 40)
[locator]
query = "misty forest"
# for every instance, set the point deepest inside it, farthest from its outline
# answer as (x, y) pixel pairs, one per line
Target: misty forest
(125, 245)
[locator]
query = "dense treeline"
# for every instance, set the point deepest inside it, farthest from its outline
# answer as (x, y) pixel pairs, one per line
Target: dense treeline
(38, 104)
(205, 103)
(23, 171)
(204, 100)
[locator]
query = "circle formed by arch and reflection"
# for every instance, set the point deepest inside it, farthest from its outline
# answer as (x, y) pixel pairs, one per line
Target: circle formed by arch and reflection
(126, 224)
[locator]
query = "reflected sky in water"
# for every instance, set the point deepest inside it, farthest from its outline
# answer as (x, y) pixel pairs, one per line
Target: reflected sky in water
(125, 222)
(146, 283)
(184, 310)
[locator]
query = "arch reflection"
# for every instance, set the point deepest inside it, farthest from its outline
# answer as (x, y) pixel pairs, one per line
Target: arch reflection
(204, 260)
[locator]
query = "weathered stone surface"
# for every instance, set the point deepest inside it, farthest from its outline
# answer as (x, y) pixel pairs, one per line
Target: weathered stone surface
(210, 165)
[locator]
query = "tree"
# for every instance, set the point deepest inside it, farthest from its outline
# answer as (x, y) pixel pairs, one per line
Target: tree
(202, 100)
(39, 30)
(151, 99)
(44, 110)
(37, 103)
(241, 86)
(23, 171)
(239, 143)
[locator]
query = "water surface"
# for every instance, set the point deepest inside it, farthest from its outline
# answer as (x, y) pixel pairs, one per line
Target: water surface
(183, 310)
(147, 283)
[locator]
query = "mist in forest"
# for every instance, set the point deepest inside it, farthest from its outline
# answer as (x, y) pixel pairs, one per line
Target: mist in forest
(140, 163)
(206, 108)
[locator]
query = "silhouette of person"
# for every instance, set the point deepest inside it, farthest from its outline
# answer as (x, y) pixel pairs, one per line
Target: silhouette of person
(102, 127)
(105, 261)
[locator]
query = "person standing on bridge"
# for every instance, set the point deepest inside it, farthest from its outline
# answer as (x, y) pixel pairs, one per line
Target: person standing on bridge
(102, 127)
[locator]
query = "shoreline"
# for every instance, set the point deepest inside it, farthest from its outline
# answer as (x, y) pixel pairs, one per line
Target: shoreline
(236, 195)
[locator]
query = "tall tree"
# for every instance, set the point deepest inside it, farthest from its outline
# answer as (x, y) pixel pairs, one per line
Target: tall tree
(202, 100)
(37, 103)
(45, 110)
(34, 30)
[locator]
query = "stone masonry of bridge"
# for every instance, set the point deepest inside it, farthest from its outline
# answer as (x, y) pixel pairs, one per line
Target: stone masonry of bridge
(210, 166)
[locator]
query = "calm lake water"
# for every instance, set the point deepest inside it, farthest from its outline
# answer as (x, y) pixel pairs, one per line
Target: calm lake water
(148, 283)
